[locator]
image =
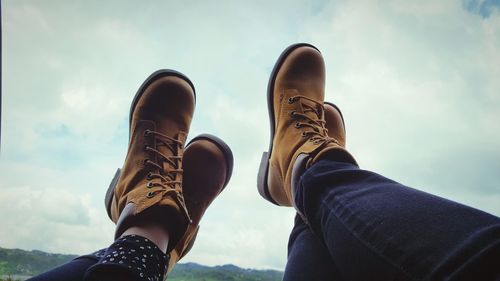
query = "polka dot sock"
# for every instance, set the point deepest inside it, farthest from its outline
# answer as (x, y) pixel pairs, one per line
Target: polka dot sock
(133, 256)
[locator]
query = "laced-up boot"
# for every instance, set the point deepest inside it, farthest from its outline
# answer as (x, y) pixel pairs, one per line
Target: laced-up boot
(150, 182)
(208, 166)
(298, 133)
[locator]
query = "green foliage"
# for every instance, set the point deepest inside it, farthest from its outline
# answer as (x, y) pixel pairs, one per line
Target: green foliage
(18, 265)
(8, 278)
(28, 263)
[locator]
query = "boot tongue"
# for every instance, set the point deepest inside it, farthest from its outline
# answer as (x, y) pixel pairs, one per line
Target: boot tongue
(167, 166)
(172, 149)
(312, 110)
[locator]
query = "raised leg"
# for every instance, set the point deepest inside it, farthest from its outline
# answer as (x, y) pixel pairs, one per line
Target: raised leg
(373, 226)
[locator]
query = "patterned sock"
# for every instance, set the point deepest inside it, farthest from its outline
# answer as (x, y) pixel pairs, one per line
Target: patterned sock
(133, 256)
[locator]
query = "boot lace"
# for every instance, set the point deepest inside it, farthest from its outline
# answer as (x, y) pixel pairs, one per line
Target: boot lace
(318, 133)
(167, 178)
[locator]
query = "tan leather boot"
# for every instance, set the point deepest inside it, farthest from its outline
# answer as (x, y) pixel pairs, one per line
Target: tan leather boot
(150, 183)
(298, 133)
(208, 165)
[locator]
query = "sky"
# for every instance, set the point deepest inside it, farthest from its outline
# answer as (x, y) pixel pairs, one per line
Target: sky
(418, 83)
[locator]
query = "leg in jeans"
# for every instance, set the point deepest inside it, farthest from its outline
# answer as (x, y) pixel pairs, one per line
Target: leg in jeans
(373, 226)
(308, 258)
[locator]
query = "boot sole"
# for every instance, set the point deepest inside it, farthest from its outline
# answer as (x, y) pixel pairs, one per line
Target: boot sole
(151, 78)
(215, 140)
(264, 163)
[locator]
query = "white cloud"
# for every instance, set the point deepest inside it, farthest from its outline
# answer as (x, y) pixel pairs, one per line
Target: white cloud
(50, 219)
(83, 107)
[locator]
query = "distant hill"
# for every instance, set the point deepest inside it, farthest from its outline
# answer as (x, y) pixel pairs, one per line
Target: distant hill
(22, 264)
(28, 263)
(229, 272)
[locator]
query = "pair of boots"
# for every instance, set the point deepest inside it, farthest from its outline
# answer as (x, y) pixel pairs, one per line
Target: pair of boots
(174, 185)
(161, 180)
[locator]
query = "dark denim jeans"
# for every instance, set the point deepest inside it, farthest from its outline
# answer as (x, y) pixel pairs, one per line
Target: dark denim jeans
(363, 226)
(71, 271)
(308, 257)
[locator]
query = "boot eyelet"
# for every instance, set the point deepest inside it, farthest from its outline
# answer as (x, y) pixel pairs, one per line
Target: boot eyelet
(146, 147)
(145, 162)
(147, 132)
(151, 194)
(149, 176)
(291, 100)
(292, 114)
(149, 185)
(297, 125)
(304, 134)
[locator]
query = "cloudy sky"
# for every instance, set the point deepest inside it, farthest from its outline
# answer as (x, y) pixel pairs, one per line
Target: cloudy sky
(418, 83)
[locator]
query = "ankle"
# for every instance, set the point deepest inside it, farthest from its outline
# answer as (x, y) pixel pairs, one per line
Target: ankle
(152, 231)
(337, 155)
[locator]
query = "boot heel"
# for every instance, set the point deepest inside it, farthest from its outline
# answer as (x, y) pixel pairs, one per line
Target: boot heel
(110, 192)
(262, 178)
